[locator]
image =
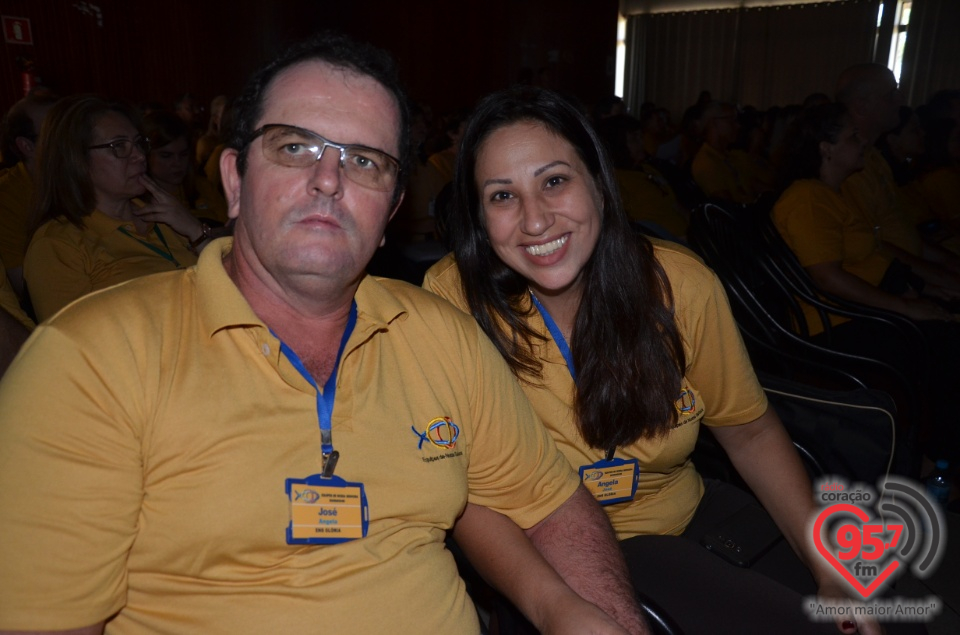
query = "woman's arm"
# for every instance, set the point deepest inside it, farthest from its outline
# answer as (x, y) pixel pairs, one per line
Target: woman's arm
(833, 278)
(765, 457)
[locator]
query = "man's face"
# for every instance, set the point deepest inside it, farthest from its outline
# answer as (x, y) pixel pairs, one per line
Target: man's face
(306, 224)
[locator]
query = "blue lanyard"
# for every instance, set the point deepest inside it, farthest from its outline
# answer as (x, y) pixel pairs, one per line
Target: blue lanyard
(326, 397)
(564, 349)
(557, 337)
(167, 255)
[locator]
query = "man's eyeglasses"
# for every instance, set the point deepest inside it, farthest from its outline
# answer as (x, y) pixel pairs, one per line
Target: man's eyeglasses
(295, 147)
(123, 148)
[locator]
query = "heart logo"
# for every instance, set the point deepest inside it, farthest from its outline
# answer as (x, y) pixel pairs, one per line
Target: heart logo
(852, 538)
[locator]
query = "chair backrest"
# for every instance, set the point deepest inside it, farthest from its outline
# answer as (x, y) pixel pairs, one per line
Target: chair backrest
(764, 281)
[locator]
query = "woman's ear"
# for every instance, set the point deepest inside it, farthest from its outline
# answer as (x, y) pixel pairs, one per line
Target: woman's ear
(825, 150)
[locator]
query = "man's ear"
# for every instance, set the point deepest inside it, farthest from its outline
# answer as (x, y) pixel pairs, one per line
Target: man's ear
(383, 239)
(824, 149)
(230, 177)
(397, 206)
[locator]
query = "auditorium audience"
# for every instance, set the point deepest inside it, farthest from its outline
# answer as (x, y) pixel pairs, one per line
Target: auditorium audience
(873, 99)
(842, 250)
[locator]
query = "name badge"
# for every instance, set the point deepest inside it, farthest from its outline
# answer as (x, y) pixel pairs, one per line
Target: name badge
(326, 511)
(613, 481)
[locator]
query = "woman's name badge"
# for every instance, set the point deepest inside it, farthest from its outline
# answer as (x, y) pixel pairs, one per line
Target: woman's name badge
(613, 481)
(326, 511)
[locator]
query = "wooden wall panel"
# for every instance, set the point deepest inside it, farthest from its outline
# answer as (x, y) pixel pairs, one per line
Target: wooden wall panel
(450, 53)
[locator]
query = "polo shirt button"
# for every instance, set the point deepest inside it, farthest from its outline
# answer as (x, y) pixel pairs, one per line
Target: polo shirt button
(266, 349)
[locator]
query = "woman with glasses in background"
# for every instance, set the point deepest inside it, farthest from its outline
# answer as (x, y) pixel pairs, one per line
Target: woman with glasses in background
(94, 231)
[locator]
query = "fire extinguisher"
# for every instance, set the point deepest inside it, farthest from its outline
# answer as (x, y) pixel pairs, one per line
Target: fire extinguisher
(28, 76)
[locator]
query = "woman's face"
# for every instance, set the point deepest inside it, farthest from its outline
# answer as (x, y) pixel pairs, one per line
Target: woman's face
(169, 163)
(115, 180)
(909, 143)
(846, 153)
(540, 205)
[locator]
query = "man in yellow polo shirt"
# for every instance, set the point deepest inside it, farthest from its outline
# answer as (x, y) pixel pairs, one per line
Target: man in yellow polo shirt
(274, 442)
(18, 138)
(873, 99)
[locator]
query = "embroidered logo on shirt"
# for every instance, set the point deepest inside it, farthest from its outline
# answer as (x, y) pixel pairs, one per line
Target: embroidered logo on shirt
(688, 408)
(441, 432)
(686, 402)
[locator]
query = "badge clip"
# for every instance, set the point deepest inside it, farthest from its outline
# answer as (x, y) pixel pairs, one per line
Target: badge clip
(330, 463)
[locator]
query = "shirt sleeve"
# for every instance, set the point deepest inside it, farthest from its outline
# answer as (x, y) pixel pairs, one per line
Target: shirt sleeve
(57, 273)
(515, 466)
(717, 361)
(70, 482)
(811, 228)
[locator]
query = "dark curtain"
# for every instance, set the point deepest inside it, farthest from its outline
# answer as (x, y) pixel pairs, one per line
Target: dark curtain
(931, 56)
(763, 57)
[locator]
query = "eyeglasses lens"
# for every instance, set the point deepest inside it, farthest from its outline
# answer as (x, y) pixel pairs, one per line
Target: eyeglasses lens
(296, 148)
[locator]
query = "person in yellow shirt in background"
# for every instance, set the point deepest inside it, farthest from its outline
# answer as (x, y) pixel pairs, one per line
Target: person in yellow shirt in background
(873, 99)
(18, 134)
(713, 168)
(647, 196)
(214, 134)
(169, 164)
(939, 181)
(94, 231)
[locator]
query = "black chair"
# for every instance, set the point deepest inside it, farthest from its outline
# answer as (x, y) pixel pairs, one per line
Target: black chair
(766, 285)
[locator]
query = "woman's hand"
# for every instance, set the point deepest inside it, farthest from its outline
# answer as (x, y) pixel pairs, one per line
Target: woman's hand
(921, 309)
(832, 589)
(166, 209)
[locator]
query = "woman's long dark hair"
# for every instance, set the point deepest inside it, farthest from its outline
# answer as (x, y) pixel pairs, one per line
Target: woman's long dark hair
(625, 344)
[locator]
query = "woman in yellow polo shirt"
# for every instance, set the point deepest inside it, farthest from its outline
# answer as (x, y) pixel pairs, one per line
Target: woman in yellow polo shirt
(170, 164)
(93, 230)
(624, 347)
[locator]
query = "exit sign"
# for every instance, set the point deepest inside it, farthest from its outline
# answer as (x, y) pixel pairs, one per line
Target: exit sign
(16, 30)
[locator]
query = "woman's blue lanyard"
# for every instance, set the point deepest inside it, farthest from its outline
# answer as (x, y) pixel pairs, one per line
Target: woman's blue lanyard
(557, 336)
(168, 254)
(326, 397)
(562, 345)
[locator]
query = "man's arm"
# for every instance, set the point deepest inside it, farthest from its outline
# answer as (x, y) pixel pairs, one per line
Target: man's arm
(578, 541)
(505, 557)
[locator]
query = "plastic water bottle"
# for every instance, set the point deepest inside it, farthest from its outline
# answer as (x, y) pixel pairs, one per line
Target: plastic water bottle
(939, 484)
